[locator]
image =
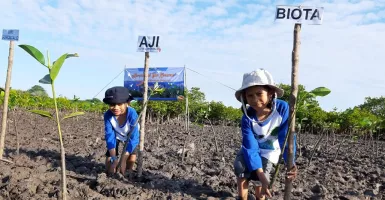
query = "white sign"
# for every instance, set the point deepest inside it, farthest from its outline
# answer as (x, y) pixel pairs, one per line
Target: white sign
(148, 44)
(300, 14)
(11, 34)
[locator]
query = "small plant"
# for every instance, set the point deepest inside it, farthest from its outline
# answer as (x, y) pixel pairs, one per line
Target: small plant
(50, 79)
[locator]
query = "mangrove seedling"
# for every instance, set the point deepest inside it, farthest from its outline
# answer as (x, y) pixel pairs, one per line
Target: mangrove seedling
(50, 78)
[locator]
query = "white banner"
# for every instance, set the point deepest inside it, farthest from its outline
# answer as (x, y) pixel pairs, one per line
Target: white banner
(11, 34)
(300, 14)
(148, 44)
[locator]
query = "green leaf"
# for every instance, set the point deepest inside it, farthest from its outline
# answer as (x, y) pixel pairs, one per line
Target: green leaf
(46, 80)
(72, 55)
(34, 53)
(73, 115)
(56, 66)
(320, 91)
(69, 56)
(365, 122)
(311, 95)
(42, 113)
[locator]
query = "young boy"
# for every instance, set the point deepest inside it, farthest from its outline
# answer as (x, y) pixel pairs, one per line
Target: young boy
(264, 126)
(118, 121)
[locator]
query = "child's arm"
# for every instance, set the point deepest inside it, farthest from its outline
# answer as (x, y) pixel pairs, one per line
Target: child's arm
(283, 131)
(134, 138)
(109, 135)
(250, 146)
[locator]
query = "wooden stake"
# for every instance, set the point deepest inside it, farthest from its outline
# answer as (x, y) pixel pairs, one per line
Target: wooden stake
(292, 102)
(143, 118)
(17, 133)
(6, 96)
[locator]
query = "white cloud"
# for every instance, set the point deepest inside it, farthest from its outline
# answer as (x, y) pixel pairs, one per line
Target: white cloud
(221, 39)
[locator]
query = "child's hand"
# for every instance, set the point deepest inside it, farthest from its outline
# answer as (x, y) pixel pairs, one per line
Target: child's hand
(266, 191)
(265, 183)
(292, 174)
(114, 162)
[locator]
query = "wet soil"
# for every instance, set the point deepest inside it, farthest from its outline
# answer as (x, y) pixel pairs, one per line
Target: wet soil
(357, 172)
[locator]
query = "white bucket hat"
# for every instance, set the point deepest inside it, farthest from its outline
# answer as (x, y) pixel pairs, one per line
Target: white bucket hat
(258, 77)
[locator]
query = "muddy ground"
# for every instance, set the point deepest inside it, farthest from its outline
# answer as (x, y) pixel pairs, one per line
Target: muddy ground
(356, 173)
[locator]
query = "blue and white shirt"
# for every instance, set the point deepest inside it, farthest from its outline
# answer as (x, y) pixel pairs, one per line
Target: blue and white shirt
(265, 138)
(115, 132)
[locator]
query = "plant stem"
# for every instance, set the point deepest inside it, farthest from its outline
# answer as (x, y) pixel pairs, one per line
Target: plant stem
(62, 152)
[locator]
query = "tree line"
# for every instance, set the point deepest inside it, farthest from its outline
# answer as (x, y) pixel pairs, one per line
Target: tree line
(369, 117)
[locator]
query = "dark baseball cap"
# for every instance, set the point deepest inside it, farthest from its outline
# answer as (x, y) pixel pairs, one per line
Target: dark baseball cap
(117, 94)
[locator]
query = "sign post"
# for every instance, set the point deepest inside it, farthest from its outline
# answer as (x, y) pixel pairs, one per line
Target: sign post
(298, 15)
(11, 36)
(145, 44)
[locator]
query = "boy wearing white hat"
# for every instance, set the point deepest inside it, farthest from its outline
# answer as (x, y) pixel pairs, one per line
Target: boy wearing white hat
(264, 127)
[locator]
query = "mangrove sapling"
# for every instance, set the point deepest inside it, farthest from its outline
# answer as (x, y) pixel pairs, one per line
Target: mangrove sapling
(315, 148)
(184, 146)
(50, 78)
(157, 132)
(356, 138)
(339, 146)
(327, 142)
(215, 136)
(76, 99)
(378, 140)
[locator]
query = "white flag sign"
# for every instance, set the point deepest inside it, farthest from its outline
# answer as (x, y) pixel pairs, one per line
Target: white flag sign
(300, 14)
(11, 34)
(148, 44)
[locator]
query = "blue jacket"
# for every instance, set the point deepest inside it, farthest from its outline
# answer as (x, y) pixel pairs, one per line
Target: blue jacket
(250, 145)
(111, 134)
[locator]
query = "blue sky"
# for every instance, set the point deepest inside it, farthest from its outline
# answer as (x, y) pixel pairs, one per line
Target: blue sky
(220, 39)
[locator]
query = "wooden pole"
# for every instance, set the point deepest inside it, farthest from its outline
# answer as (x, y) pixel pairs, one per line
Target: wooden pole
(292, 103)
(187, 111)
(6, 96)
(143, 117)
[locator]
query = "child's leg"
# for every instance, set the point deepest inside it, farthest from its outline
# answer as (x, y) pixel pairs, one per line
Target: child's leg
(108, 164)
(130, 162)
(243, 188)
(242, 176)
(123, 165)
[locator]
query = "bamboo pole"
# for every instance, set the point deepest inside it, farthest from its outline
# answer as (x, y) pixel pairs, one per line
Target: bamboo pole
(6, 97)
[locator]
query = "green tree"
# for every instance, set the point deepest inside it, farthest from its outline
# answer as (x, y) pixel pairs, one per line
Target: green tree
(37, 90)
(355, 118)
(375, 105)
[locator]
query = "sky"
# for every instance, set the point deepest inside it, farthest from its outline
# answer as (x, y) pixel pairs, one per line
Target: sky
(219, 39)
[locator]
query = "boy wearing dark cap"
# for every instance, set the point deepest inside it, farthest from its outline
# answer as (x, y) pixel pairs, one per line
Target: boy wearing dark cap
(118, 121)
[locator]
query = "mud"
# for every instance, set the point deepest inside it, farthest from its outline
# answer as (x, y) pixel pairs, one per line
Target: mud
(356, 173)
